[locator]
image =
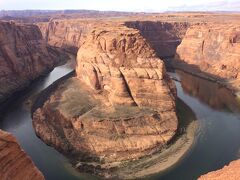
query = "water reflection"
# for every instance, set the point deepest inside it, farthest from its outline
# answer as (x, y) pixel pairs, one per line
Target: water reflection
(213, 94)
(218, 141)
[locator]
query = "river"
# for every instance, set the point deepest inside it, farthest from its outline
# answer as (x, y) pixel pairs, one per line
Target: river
(216, 144)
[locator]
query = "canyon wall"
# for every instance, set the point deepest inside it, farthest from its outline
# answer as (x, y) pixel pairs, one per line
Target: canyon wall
(230, 172)
(212, 49)
(24, 56)
(66, 34)
(120, 106)
(164, 37)
(14, 162)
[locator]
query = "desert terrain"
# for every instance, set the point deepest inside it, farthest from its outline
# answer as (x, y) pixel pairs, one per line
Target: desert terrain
(117, 114)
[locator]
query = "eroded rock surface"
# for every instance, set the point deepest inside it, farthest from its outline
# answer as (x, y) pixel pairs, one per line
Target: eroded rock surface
(14, 162)
(213, 49)
(66, 34)
(230, 172)
(24, 56)
(164, 37)
(120, 106)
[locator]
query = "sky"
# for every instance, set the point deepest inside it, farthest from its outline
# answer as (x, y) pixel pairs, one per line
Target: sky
(122, 5)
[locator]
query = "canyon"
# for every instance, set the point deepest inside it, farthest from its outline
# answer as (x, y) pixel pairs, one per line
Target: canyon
(170, 36)
(120, 105)
(108, 113)
(24, 56)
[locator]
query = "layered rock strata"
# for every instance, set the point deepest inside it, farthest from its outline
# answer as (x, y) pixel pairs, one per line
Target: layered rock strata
(213, 49)
(119, 107)
(14, 162)
(164, 37)
(65, 34)
(230, 172)
(24, 56)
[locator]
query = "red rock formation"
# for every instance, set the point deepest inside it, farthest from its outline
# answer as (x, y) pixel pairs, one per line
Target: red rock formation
(229, 172)
(214, 49)
(14, 162)
(24, 56)
(66, 34)
(120, 107)
(164, 37)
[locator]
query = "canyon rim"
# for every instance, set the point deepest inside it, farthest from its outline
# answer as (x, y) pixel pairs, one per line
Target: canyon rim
(117, 113)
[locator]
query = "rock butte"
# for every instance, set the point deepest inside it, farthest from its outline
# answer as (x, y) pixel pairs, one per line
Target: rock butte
(121, 105)
(14, 162)
(115, 70)
(230, 172)
(200, 43)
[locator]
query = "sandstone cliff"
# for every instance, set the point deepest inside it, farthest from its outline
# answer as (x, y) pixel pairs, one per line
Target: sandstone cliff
(229, 172)
(121, 105)
(164, 37)
(66, 34)
(213, 49)
(24, 56)
(14, 163)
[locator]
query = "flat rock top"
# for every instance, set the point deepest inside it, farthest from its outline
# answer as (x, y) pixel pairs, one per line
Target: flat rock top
(73, 99)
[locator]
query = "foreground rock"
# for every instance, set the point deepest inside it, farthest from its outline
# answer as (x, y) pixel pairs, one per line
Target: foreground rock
(230, 172)
(14, 162)
(213, 50)
(24, 56)
(120, 107)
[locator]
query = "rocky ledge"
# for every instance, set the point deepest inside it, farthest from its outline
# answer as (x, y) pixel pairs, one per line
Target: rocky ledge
(230, 172)
(120, 107)
(14, 162)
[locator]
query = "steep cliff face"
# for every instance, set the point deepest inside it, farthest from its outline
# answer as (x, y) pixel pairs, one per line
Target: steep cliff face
(121, 105)
(230, 172)
(24, 56)
(164, 37)
(213, 49)
(15, 164)
(66, 34)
